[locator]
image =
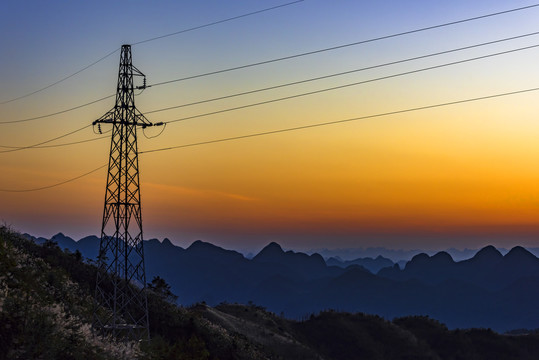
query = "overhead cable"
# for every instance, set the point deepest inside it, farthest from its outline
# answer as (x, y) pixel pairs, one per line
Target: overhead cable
(56, 113)
(345, 45)
(289, 130)
(53, 146)
(56, 184)
(61, 80)
(145, 41)
(340, 121)
(37, 146)
(44, 142)
(346, 85)
(340, 73)
(216, 22)
(293, 83)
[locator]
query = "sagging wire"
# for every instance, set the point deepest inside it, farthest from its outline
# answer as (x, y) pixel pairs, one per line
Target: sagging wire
(164, 125)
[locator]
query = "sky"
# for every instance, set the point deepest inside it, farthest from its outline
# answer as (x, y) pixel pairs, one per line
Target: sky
(463, 175)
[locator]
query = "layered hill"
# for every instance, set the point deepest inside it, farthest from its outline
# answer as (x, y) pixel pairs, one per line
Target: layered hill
(372, 264)
(488, 290)
(45, 309)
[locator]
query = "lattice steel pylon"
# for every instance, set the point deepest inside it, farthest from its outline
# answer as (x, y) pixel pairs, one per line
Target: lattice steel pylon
(121, 308)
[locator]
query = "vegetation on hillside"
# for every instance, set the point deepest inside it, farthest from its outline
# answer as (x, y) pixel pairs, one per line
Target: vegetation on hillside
(46, 311)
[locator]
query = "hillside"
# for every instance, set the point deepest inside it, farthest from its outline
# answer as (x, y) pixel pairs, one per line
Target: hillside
(45, 311)
(45, 303)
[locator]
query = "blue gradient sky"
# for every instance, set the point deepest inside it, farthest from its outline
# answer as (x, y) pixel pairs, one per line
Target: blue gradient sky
(460, 176)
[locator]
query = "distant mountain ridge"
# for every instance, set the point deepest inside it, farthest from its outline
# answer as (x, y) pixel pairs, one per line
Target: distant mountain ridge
(373, 265)
(488, 290)
(488, 268)
(399, 255)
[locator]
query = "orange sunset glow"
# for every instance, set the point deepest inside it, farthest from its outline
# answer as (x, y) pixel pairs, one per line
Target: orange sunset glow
(461, 175)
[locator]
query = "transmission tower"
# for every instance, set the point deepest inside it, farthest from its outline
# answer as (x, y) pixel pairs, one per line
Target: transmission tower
(121, 308)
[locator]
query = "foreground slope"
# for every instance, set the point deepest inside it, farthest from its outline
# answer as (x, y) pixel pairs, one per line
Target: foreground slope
(44, 313)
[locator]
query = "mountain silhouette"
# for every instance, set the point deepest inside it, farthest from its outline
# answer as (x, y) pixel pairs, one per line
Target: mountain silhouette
(291, 264)
(372, 264)
(488, 290)
(272, 252)
(488, 254)
(487, 269)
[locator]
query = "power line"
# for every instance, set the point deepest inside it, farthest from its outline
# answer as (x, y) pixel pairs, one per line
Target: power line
(17, 148)
(56, 113)
(61, 80)
(289, 130)
(266, 61)
(341, 121)
(144, 41)
(346, 85)
(291, 57)
(37, 146)
(216, 22)
(44, 142)
(55, 185)
(345, 45)
(279, 86)
(341, 73)
(260, 63)
(53, 146)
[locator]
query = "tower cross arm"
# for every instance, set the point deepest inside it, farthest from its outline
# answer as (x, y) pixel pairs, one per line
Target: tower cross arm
(107, 118)
(140, 120)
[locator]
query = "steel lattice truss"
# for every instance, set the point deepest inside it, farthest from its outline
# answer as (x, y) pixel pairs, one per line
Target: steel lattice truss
(121, 308)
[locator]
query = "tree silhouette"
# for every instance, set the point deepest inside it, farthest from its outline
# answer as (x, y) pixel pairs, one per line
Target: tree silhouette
(160, 287)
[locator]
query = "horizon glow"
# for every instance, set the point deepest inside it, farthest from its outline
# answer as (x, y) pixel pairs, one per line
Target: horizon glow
(457, 176)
